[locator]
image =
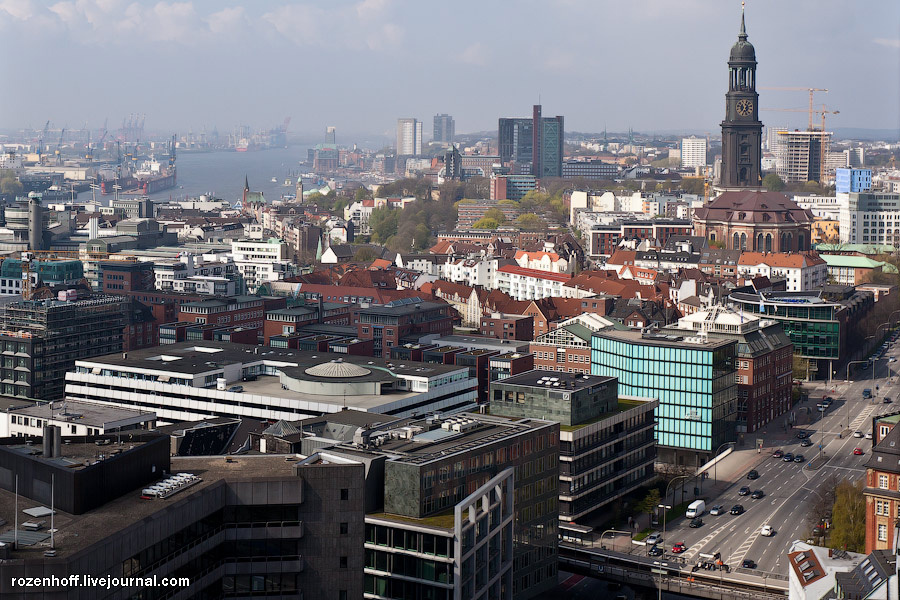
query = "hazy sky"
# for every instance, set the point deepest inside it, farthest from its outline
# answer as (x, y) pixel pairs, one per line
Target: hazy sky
(358, 65)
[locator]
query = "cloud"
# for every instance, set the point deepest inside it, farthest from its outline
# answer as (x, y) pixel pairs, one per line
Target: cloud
(226, 20)
(888, 42)
(474, 54)
(17, 9)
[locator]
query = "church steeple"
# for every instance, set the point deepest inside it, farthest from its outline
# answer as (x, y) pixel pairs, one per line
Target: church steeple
(741, 129)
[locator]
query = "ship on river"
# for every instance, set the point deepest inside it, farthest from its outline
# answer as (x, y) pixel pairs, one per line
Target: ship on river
(151, 177)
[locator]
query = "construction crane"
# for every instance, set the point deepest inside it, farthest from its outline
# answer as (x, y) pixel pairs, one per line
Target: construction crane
(59, 147)
(801, 89)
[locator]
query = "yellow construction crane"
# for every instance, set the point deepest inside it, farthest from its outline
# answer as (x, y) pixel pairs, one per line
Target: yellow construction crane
(801, 89)
(822, 112)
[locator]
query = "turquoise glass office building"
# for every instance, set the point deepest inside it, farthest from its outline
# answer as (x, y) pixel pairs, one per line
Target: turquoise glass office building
(692, 377)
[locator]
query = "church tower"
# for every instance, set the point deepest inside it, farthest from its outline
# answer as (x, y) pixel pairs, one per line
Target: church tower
(741, 129)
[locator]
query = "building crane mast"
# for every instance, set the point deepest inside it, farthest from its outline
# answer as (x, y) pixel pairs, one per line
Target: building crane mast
(822, 112)
(811, 91)
(62, 133)
(40, 151)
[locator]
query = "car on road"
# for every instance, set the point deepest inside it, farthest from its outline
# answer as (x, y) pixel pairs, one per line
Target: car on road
(767, 531)
(892, 359)
(717, 510)
(653, 539)
(655, 551)
(778, 453)
(857, 434)
(753, 474)
(867, 393)
(748, 564)
(788, 457)
(744, 491)
(737, 509)
(679, 548)
(802, 435)
(886, 400)
(757, 494)
(806, 443)
(799, 458)
(857, 451)
(869, 435)
(695, 523)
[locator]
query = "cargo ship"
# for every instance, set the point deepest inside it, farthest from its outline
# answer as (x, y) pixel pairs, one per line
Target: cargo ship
(150, 178)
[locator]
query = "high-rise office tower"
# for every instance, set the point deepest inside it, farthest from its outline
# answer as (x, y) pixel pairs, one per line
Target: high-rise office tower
(409, 137)
(444, 129)
(741, 129)
(330, 135)
(538, 140)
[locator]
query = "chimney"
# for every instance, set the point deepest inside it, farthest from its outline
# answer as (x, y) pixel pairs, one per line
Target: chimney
(321, 318)
(94, 228)
(48, 441)
(35, 226)
(57, 440)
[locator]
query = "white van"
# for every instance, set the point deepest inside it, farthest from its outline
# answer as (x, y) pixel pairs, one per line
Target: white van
(695, 509)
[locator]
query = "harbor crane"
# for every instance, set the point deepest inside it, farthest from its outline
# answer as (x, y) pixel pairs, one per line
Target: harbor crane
(40, 148)
(62, 133)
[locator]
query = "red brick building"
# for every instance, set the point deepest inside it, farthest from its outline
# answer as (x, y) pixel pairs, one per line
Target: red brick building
(566, 349)
(400, 322)
(284, 321)
(882, 491)
(507, 327)
(244, 311)
(117, 277)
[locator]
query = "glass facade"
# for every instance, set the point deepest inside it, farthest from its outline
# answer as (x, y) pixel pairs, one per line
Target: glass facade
(695, 386)
(813, 327)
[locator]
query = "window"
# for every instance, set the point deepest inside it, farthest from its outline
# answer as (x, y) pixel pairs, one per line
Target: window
(882, 533)
(344, 528)
(343, 562)
(345, 493)
(342, 595)
(883, 482)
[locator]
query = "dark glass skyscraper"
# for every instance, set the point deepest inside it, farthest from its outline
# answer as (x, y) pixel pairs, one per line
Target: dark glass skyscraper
(538, 141)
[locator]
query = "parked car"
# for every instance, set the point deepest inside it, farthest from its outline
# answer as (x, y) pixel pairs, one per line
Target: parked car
(806, 443)
(857, 451)
(744, 491)
(236, 388)
(779, 453)
(653, 539)
(748, 564)
(679, 548)
(655, 551)
(857, 434)
(757, 494)
(799, 458)
(717, 510)
(788, 457)
(767, 531)
(737, 509)
(695, 523)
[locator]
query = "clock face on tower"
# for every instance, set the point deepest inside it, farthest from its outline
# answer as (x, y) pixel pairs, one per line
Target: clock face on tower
(744, 107)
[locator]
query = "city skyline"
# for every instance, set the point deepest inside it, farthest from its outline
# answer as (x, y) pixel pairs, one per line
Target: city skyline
(196, 65)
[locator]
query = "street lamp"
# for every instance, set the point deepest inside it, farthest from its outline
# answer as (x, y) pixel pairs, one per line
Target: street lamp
(665, 508)
(716, 465)
(662, 571)
(851, 363)
(611, 531)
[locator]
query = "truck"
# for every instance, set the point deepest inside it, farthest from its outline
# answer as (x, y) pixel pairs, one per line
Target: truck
(695, 509)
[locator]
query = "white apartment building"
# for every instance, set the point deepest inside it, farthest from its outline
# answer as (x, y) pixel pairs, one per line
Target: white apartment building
(870, 218)
(825, 207)
(471, 271)
(202, 284)
(409, 137)
(693, 152)
(74, 418)
(543, 261)
(168, 273)
(531, 284)
(260, 262)
(803, 272)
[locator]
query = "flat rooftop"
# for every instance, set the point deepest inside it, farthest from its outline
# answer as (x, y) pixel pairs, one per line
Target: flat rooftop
(84, 413)
(477, 341)
(663, 339)
(556, 380)
(76, 532)
(75, 455)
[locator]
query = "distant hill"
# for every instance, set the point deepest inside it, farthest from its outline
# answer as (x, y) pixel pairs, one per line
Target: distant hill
(858, 133)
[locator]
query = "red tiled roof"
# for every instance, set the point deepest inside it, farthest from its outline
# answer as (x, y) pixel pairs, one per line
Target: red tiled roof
(780, 259)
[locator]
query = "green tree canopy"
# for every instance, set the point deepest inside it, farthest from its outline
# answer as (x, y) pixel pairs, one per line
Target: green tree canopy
(364, 254)
(485, 223)
(530, 221)
(496, 214)
(361, 194)
(773, 182)
(692, 185)
(383, 222)
(848, 530)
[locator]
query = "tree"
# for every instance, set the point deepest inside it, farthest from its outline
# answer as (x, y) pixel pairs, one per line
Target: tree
(485, 223)
(848, 531)
(531, 221)
(364, 254)
(650, 502)
(496, 214)
(315, 198)
(383, 223)
(692, 185)
(361, 194)
(773, 182)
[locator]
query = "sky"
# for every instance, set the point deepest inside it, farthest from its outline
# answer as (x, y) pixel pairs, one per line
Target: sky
(654, 65)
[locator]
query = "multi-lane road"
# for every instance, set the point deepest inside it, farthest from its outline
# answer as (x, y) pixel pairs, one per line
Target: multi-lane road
(791, 489)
